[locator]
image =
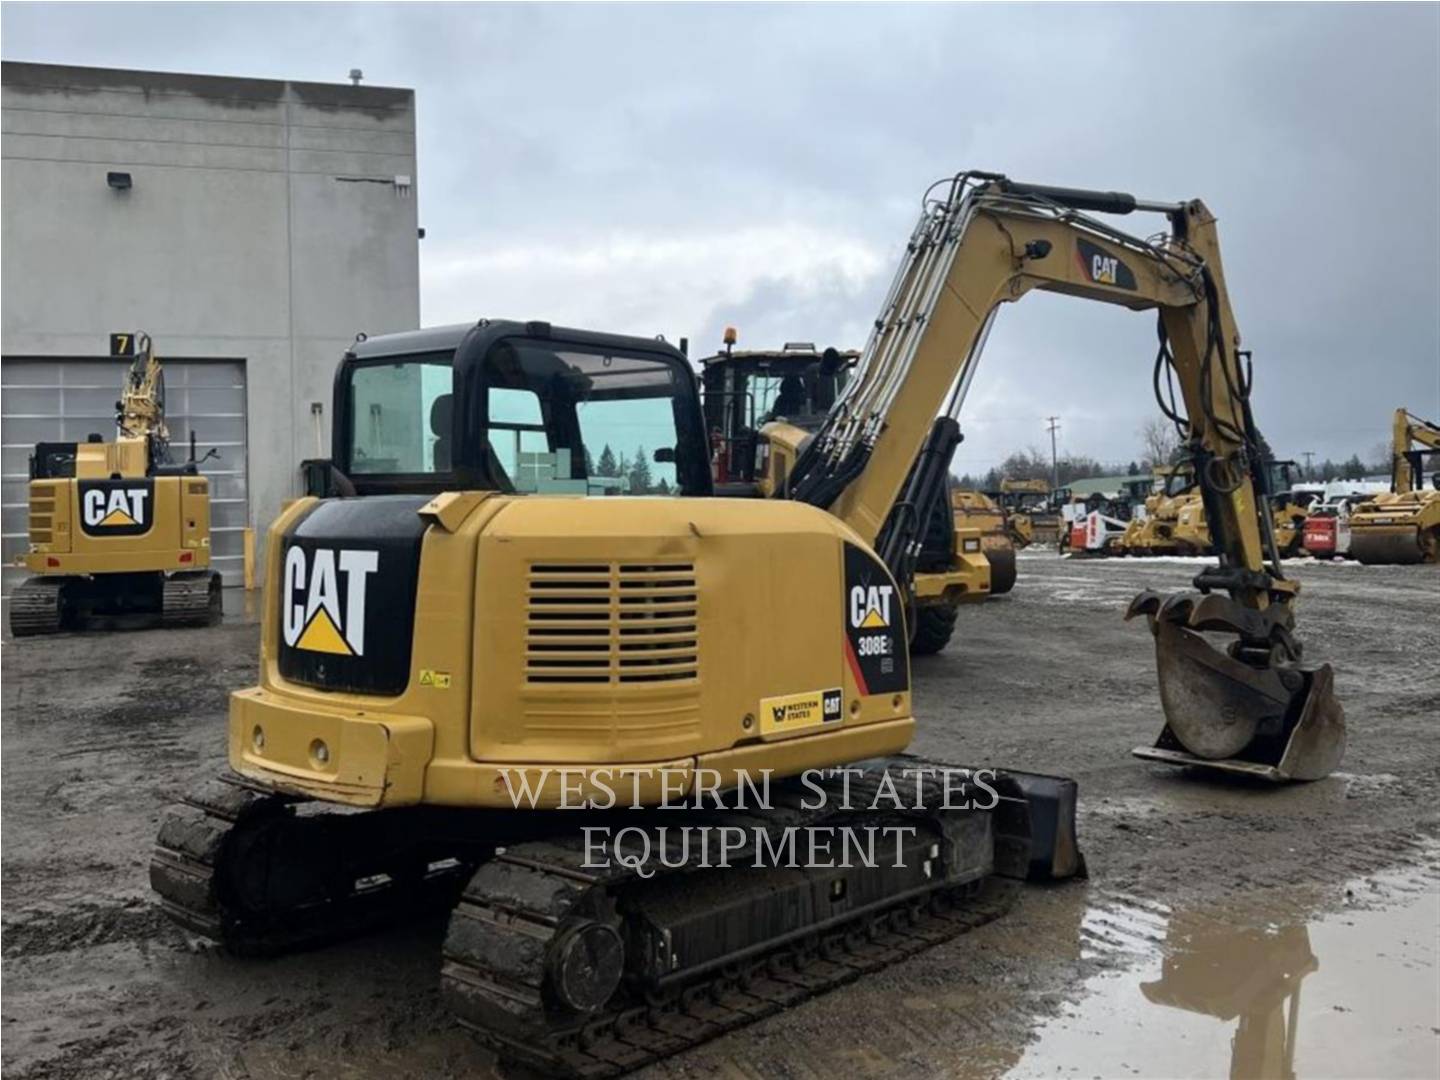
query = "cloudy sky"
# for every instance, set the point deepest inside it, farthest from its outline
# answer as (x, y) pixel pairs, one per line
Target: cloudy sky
(672, 169)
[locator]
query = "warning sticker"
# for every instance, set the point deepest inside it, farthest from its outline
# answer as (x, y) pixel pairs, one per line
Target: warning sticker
(796, 712)
(440, 680)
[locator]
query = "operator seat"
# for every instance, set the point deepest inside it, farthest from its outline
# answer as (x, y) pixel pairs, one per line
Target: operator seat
(441, 412)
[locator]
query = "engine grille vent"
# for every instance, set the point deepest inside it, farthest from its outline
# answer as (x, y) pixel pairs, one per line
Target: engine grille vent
(42, 513)
(611, 623)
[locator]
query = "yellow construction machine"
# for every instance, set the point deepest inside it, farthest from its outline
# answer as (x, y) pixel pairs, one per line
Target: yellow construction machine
(115, 528)
(1288, 510)
(1402, 526)
(743, 389)
(1030, 514)
(1153, 533)
(976, 510)
(458, 641)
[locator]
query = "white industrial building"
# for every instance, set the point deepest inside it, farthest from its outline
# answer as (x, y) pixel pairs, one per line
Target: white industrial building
(251, 227)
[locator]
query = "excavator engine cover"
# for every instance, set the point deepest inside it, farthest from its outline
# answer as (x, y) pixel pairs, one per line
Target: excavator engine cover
(1276, 722)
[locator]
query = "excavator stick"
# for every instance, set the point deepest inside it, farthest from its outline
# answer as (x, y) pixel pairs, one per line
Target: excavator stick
(1252, 710)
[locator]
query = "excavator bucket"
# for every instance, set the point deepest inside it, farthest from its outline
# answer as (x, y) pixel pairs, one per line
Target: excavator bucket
(1277, 722)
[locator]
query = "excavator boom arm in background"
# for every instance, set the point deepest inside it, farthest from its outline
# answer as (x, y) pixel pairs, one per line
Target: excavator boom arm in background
(1406, 467)
(141, 411)
(985, 241)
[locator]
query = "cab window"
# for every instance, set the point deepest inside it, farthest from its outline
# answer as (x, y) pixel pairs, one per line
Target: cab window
(400, 415)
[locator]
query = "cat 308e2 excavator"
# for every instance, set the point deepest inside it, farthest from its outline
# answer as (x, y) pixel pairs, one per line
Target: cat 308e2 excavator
(462, 624)
(115, 528)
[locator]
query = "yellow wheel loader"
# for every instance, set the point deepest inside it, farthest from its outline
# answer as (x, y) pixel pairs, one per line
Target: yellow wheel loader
(1402, 526)
(742, 390)
(1030, 516)
(115, 528)
(459, 641)
(1154, 532)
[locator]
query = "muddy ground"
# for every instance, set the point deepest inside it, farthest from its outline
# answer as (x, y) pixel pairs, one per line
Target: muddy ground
(100, 731)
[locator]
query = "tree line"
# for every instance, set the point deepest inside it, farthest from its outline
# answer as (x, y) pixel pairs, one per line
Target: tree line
(1159, 443)
(634, 469)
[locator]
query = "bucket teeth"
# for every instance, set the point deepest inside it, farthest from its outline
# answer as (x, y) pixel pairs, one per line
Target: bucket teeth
(1212, 612)
(1145, 603)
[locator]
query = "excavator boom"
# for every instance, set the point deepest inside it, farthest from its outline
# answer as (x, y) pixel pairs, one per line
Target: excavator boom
(984, 241)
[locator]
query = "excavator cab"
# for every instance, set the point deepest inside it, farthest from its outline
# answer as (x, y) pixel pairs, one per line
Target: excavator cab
(746, 389)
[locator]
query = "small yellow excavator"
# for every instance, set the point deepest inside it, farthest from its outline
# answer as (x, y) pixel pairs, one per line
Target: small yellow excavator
(115, 528)
(458, 641)
(744, 389)
(1402, 526)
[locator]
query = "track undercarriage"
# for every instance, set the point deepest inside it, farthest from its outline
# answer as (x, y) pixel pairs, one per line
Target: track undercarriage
(49, 604)
(567, 953)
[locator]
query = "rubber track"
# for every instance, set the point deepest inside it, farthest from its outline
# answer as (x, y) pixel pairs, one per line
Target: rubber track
(186, 600)
(493, 977)
(35, 607)
(190, 864)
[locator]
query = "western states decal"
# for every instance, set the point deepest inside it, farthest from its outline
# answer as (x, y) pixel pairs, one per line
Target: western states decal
(799, 712)
(1099, 266)
(116, 507)
(875, 645)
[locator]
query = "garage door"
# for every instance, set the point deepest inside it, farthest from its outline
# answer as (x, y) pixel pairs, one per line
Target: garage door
(63, 400)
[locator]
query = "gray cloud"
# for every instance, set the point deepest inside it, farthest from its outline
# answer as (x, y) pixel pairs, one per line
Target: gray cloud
(672, 169)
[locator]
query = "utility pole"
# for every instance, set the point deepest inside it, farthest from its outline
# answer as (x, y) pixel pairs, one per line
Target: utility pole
(1307, 455)
(1054, 454)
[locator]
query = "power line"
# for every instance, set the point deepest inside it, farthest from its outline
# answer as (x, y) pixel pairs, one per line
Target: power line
(1054, 453)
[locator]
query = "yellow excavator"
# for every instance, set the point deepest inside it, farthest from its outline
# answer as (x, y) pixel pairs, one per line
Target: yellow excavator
(743, 389)
(115, 529)
(459, 641)
(1402, 526)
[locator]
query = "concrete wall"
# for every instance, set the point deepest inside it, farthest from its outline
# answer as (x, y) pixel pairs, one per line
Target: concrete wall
(266, 221)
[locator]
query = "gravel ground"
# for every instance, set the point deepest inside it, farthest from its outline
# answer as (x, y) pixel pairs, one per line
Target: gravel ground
(100, 731)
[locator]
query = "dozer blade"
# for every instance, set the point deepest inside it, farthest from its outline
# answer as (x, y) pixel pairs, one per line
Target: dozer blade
(1385, 545)
(1274, 722)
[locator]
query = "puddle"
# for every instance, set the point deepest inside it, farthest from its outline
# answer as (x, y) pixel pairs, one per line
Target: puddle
(1355, 993)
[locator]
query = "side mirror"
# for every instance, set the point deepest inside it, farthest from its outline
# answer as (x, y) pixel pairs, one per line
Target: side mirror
(664, 455)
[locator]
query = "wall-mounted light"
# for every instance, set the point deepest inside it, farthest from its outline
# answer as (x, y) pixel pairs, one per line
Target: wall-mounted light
(120, 181)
